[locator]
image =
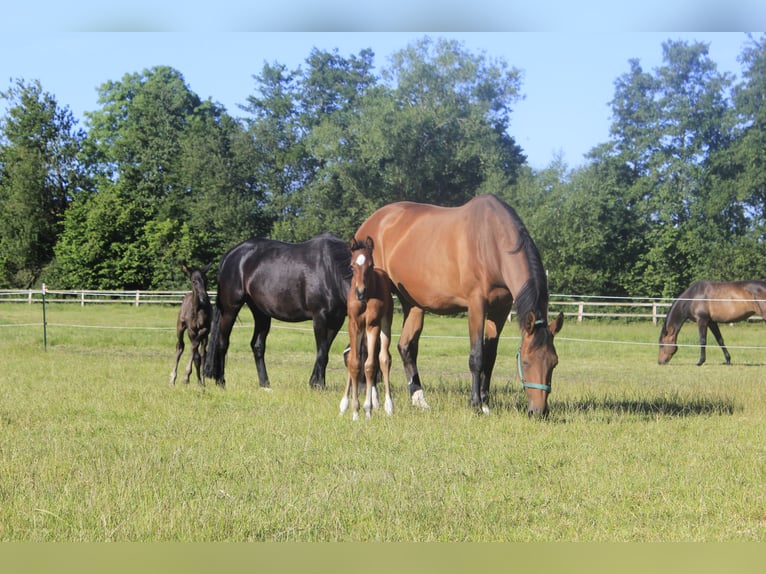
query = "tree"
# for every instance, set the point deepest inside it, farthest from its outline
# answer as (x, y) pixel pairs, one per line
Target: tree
(181, 173)
(666, 127)
(40, 174)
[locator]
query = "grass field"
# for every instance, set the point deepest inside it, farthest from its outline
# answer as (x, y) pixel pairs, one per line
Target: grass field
(96, 446)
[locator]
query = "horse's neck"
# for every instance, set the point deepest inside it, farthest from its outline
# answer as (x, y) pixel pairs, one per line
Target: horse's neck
(676, 317)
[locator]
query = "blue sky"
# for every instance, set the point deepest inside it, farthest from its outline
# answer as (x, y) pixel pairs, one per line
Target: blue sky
(568, 76)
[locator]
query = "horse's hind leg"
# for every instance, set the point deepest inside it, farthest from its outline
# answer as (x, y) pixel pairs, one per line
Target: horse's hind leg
(702, 327)
(258, 345)
(719, 338)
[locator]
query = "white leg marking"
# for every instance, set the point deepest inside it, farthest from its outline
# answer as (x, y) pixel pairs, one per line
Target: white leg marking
(419, 400)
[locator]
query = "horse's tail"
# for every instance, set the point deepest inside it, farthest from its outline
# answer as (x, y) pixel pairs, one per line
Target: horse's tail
(215, 357)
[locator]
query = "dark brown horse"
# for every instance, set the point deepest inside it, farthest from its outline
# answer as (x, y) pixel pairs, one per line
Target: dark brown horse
(479, 258)
(370, 312)
(709, 303)
(194, 318)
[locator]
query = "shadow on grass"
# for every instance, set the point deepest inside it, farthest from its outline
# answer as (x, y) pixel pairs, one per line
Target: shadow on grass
(654, 406)
(649, 408)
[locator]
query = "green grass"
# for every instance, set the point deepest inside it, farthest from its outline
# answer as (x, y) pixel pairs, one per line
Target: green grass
(95, 445)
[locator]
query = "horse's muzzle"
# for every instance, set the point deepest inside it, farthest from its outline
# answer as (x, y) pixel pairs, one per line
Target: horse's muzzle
(361, 294)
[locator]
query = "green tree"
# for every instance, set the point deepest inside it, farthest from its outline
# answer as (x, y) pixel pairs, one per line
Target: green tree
(181, 171)
(40, 174)
(666, 127)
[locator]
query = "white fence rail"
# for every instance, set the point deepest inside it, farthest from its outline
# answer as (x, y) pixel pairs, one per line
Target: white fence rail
(575, 306)
(85, 296)
(572, 305)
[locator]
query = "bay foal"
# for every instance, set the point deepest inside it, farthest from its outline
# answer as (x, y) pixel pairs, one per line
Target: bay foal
(370, 312)
(194, 317)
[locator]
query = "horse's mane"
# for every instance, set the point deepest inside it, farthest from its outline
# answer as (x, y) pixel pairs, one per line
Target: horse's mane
(533, 295)
(339, 259)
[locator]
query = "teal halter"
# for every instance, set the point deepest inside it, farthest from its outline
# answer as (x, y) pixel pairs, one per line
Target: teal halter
(525, 384)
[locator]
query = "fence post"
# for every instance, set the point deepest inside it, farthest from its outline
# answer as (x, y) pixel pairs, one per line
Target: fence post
(137, 296)
(30, 297)
(82, 298)
(654, 314)
(580, 312)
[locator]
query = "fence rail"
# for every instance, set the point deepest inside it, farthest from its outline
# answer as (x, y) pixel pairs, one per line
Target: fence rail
(88, 297)
(571, 305)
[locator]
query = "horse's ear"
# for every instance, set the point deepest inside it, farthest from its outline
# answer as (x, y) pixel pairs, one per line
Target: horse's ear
(369, 243)
(185, 268)
(352, 243)
(207, 267)
(557, 323)
(529, 322)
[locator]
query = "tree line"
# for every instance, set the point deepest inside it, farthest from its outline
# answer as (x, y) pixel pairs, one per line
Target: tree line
(157, 175)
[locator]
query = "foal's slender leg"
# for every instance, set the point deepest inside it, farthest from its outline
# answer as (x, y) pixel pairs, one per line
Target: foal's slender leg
(197, 359)
(179, 351)
(408, 350)
(719, 338)
(203, 358)
(356, 331)
(353, 345)
(192, 360)
(370, 364)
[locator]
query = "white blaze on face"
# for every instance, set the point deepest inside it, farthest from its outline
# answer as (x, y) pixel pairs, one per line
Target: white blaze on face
(360, 259)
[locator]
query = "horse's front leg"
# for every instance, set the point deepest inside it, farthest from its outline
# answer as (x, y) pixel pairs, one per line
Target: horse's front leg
(408, 350)
(492, 329)
(719, 338)
(476, 356)
(702, 326)
(325, 331)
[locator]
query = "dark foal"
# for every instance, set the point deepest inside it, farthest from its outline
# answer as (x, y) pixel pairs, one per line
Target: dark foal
(194, 317)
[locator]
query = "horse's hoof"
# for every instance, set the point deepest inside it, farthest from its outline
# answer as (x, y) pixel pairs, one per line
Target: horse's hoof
(419, 400)
(355, 417)
(389, 406)
(343, 405)
(485, 409)
(266, 389)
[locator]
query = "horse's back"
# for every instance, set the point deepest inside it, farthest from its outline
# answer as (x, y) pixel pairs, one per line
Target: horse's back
(288, 281)
(437, 256)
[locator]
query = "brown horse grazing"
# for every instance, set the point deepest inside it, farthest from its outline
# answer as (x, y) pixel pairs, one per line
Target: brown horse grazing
(195, 316)
(709, 303)
(478, 257)
(370, 312)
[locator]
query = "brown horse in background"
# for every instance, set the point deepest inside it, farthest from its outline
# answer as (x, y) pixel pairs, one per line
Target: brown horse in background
(195, 316)
(370, 313)
(709, 303)
(478, 257)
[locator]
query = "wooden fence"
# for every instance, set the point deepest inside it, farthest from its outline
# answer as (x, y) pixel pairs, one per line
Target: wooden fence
(572, 305)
